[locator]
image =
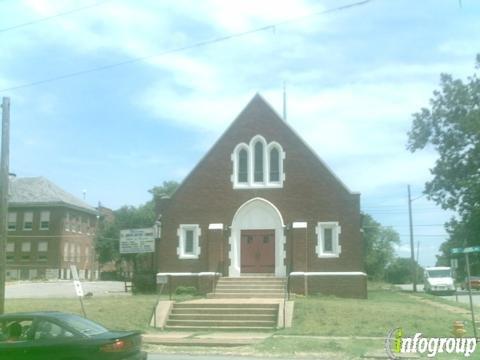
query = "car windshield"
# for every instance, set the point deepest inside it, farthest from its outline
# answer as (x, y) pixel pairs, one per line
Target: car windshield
(84, 326)
(439, 273)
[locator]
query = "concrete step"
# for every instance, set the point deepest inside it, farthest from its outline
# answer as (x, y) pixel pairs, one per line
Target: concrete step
(249, 291)
(229, 310)
(239, 305)
(218, 322)
(219, 328)
(241, 295)
(243, 317)
(249, 286)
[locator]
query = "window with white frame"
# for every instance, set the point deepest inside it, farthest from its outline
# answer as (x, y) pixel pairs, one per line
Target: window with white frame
(12, 221)
(328, 242)
(65, 252)
(44, 220)
(26, 246)
(42, 246)
(10, 246)
(258, 164)
(66, 222)
(72, 252)
(242, 175)
(28, 220)
(188, 241)
(274, 164)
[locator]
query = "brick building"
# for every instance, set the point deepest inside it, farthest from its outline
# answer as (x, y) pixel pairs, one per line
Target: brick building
(261, 201)
(48, 230)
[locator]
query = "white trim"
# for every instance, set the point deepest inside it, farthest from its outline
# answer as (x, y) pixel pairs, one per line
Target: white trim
(205, 273)
(336, 231)
(299, 225)
(197, 231)
(215, 226)
(330, 273)
(250, 147)
(247, 218)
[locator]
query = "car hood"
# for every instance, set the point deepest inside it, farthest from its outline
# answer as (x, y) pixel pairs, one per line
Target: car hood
(440, 281)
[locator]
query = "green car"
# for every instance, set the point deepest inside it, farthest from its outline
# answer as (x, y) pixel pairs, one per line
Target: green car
(61, 336)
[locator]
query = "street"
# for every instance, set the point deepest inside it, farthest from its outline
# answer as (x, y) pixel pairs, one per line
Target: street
(61, 289)
(461, 297)
(152, 356)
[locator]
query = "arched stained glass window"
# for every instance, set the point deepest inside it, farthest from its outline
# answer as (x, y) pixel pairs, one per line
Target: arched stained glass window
(258, 169)
(243, 166)
(274, 165)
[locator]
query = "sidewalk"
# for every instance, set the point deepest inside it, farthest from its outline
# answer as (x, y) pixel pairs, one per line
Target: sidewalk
(224, 339)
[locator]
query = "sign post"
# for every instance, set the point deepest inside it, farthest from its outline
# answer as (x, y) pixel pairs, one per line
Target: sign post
(467, 251)
(78, 287)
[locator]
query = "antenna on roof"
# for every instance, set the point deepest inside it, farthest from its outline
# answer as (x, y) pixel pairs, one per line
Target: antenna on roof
(284, 102)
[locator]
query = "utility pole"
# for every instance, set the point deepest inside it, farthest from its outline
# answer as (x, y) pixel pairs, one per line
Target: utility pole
(4, 196)
(412, 251)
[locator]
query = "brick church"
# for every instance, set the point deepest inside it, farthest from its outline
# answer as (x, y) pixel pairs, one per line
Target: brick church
(262, 202)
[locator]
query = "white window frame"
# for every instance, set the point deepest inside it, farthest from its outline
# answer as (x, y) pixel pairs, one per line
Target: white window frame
(26, 218)
(44, 217)
(26, 246)
(281, 157)
(42, 246)
(66, 222)
(336, 231)
(250, 147)
(197, 231)
(10, 248)
(12, 219)
(66, 251)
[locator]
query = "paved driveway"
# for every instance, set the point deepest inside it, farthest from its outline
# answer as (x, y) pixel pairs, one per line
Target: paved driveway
(61, 289)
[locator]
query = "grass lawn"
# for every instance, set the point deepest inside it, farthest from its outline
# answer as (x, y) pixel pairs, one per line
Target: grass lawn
(385, 309)
(382, 311)
(115, 312)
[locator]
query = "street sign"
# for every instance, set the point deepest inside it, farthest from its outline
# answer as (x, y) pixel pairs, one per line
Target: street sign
(471, 249)
(78, 288)
(454, 263)
(457, 251)
(135, 241)
(162, 279)
(73, 270)
(76, 281)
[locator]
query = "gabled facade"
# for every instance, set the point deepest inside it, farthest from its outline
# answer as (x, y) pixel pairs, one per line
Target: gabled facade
(48, 230)
(261, 201)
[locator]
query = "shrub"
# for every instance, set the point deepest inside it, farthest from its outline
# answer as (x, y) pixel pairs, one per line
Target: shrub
(144, 282)
(186, 290)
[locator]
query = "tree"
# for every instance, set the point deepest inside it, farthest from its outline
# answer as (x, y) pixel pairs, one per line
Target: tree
(167, 188)
(451, 126)
(379, 247)
(127, 217)
(399, 271)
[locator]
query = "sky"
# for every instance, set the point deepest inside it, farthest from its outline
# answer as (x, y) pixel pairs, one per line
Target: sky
(353, 77)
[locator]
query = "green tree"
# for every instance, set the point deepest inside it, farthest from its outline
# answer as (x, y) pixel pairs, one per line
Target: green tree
(400, 271)
(379, 247)
(167, 188)
(127, 217)
(451, 126)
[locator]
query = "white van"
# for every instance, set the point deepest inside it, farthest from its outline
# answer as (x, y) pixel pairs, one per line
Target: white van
(438, 280)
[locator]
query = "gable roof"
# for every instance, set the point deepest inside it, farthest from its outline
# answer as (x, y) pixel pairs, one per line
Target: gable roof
(259, 104)
(36, 191)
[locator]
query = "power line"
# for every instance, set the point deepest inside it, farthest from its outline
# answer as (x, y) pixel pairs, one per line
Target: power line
(28, 23)
(188, 47)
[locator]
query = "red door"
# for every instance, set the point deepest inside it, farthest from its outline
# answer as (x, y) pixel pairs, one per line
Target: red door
(257, 251)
